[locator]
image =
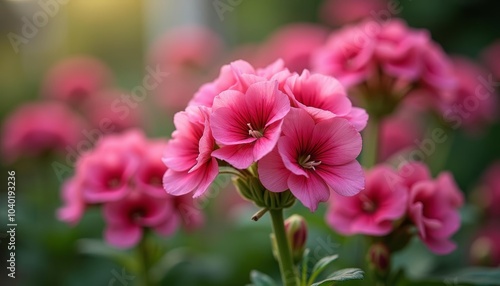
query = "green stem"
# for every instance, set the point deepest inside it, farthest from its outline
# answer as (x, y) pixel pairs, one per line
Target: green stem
(370, 142)
(288, 271)
(144, 258)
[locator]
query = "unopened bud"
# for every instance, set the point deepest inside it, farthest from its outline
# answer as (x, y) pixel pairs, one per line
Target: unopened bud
(296, 231)
(379, 258)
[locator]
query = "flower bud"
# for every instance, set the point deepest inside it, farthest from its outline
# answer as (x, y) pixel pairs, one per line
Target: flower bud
(252, 189)
(296, 232)
(379, 258)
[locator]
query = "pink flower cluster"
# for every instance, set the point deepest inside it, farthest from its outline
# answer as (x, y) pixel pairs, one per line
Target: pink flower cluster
(123, 175)
(301, 129)
(397, 199)
(386, 57)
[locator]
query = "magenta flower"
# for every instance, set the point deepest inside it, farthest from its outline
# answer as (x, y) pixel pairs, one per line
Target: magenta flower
(76, 79)
(313, 158)
(151, 169)
(107, 171)
(432, 206)
(188, 155)
(74, 204)
(248, 125)
(487, 193)
(374, 209)
(126, 218)
(323, 97)
(39, 127)
(398, 133)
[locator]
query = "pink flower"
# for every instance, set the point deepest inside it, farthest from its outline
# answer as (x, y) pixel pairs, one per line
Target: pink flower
(74, 204)
(110, 113)
(432, 207)
(238, 76)
(341, 12)
(151, 169)
(126, 218)
(323, 97)
(488, 191)
(491, 58)
(313, 158)
(76, 79)
(38, 127)
(399, 133)
(189, 212)
(474, 104)
(348, 55)
(374, 209)
(188, 155)
(294, 43)
(107, 171)
(248, 125)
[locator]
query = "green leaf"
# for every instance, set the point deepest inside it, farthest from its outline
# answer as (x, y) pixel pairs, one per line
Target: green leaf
(341, 275)
(99, 248)
(321, 265)
(261, 279)
(474, 276)
(305, 260)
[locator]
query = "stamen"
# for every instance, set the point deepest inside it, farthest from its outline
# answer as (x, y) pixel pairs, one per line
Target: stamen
(254, 133)
(304, 162)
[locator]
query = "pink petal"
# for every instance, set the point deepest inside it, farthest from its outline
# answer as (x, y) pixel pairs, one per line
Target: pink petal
(272, 172)
(346, 180)
(123, 236)
(309, 191)
(239, 156)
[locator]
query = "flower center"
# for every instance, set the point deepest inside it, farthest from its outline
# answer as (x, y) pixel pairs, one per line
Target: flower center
(367, 204)
(254, 133)
(307, 163)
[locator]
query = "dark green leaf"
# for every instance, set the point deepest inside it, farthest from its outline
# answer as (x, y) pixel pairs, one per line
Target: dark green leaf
(261, 279)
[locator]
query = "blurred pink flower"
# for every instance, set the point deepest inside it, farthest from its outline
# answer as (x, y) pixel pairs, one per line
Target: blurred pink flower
(109, 112)
(74, 204)
(323, 97)
(433, 207)
(126, 218)
(313, 158)
(373, 210)
(107, 171)
(76, 79)
(151, 169)
(248, 125)
(485, 249)
(341, 12)
(474, 105)
(238, 75)
(488, 192)
(491, 58)
(188, 155)
(38, 127)
(190, 213)
(294, 44)
(398, 133)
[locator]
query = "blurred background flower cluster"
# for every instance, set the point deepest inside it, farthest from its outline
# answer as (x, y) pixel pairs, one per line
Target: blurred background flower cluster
(72, 71)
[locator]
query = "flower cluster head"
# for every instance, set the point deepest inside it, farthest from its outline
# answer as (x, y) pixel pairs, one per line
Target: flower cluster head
(39, 127)
(123, 174)
(387, 60)
(300, 131)
(396, 200)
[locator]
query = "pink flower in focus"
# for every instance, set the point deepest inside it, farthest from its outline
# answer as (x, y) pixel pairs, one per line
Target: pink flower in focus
(74, 204)
(313, 158)
(126, 218)
(188, 155)
(433, 207)
(76, 79)
(348, 55)
(248, 125)
(38, 127)
(341, 12)
(323, 97)
(373, 210)
(294, 44)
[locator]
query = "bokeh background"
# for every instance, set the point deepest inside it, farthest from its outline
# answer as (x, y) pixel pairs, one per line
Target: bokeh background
(124, 35)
